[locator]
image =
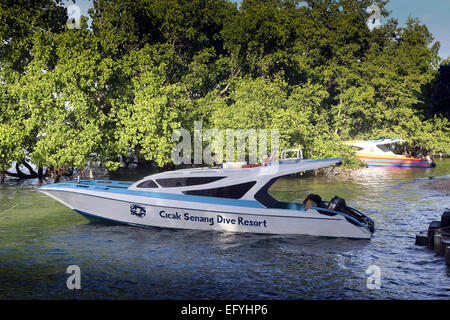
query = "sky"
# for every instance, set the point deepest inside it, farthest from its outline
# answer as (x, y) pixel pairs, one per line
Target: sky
(433, 13)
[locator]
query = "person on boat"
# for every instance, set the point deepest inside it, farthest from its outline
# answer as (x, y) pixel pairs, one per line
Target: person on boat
(312, 200)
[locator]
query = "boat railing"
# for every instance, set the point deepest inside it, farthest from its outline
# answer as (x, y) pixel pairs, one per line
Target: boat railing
(285, 153)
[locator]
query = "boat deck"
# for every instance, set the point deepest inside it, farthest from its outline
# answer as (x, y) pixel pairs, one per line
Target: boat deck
(97, 184)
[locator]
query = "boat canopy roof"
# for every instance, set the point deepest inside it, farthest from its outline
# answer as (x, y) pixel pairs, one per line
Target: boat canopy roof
(366, 143)
(278, 169)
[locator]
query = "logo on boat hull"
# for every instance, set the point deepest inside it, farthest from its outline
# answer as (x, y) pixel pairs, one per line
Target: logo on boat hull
(137, 210)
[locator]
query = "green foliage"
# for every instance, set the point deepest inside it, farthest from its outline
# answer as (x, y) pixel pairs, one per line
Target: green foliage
(20, 20)
(316, 73)
(351, 163)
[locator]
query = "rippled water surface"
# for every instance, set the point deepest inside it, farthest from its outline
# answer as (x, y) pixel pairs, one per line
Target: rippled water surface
(40, 238)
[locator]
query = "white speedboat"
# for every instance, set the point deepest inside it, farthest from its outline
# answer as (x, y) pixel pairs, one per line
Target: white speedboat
(225, 198)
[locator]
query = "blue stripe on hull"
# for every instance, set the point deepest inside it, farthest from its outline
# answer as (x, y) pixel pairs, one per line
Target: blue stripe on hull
(393, 160)
(395, 165)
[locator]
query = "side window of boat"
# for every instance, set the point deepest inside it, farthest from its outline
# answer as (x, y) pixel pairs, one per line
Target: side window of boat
(147, 184)
(188, 181)
(232, 192)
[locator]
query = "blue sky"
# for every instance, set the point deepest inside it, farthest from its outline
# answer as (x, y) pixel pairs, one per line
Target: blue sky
(435, 14)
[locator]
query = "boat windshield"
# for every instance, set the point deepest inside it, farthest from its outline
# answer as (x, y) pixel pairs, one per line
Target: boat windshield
(147, 184)
(386, 148)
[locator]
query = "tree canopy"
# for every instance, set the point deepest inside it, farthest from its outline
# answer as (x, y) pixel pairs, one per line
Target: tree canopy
(118, 89)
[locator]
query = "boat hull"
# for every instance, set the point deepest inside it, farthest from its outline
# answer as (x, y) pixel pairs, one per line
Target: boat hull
(383, 161)
(168, 213)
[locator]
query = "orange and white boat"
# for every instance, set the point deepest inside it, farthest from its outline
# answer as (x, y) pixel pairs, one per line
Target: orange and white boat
(377, 153)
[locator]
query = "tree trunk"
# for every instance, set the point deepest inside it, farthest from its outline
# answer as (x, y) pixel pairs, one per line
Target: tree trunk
(33, 174)
(20, 174)
(2, 177)
(57, 174)
(228, 85)
(339, 113)
(40, 173)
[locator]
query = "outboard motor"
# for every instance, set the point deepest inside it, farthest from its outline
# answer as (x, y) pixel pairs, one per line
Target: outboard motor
(338, 204)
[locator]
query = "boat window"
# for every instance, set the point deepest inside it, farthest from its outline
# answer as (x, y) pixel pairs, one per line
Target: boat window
(147, 184)
(186, 181)
(265, 198)
(384, 148)
(232, 192)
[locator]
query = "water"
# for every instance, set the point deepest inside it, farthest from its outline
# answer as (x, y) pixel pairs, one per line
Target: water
(40, 238)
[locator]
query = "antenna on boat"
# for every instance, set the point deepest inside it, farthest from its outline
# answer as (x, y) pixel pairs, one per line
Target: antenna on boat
(267, 160)
(273, 156)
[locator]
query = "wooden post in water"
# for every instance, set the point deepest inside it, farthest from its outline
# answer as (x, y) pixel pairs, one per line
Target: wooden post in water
(422, 239)
(447, 254)
(2, 177)
(434, 227)
(437, 238)
(438, 248)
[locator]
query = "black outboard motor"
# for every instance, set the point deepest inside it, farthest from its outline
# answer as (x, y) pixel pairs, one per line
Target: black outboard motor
(338, 204)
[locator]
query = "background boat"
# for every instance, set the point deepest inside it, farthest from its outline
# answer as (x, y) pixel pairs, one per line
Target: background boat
(377, 153)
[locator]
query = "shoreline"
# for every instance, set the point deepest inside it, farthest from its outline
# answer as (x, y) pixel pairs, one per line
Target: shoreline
(442, 185)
